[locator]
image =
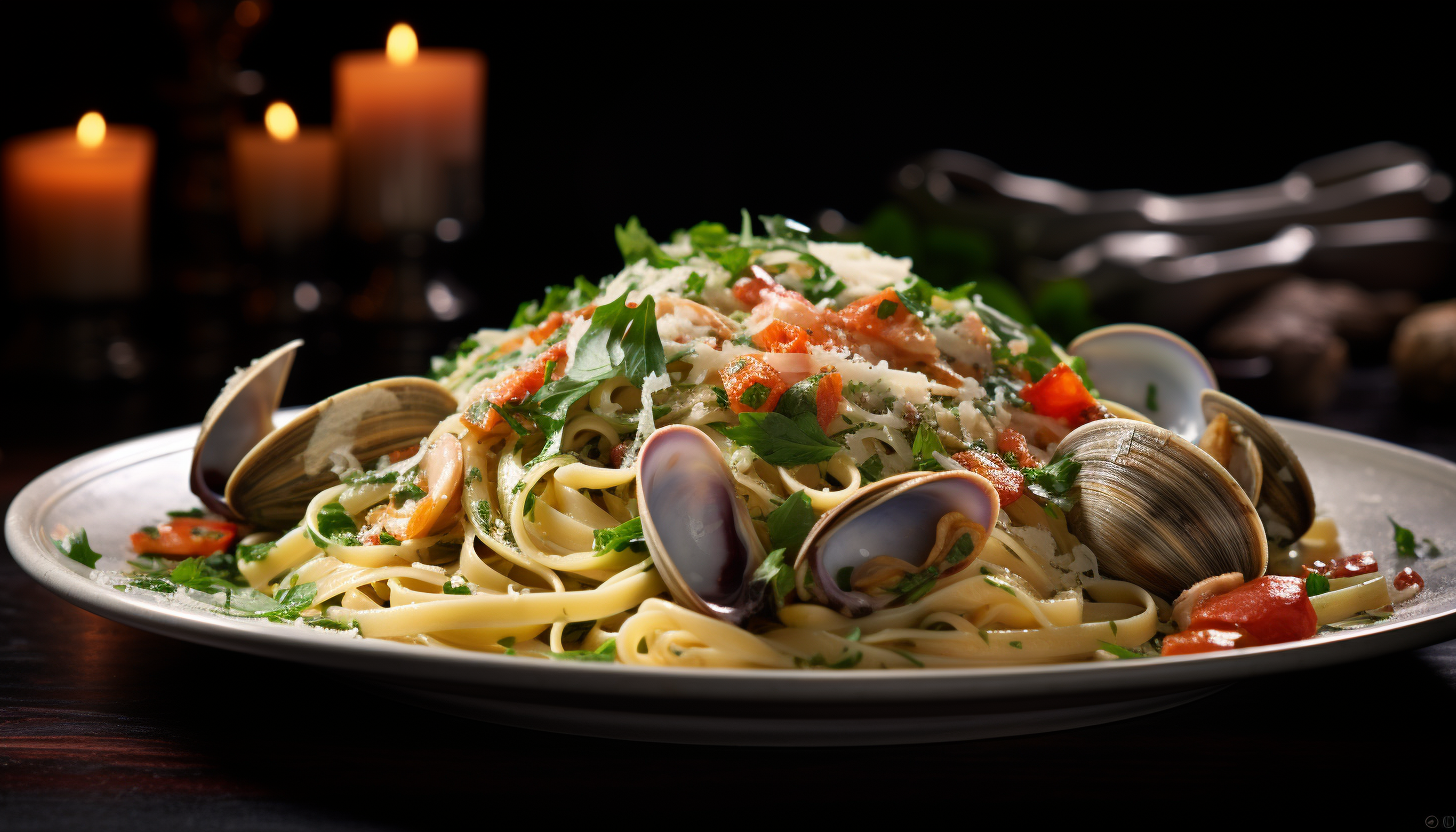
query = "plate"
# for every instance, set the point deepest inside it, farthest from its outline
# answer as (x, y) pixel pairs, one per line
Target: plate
(113, 491)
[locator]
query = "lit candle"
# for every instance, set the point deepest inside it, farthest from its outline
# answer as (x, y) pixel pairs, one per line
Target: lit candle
(76, 203)
(409, 121)
(285, 179)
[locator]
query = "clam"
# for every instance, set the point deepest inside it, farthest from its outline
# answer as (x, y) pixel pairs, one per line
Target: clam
(1285, 499)
(1150, 371)
(272, 485)
(859, 550)
(238, 419)
(698, 532)
(1157, 510)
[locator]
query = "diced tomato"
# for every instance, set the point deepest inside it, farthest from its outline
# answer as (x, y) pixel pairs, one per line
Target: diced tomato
(619, 451)
(185, 537)
(1007, 481)
(512, 386)
(1345, 567)
(1206, 641)
(752, 290)
(1012, 441)
(1061, 395)
(1408, 577)
(826, 398)
(1272, 609)
(779, 336)
(884, 318)
(554, 321)
(740, 376)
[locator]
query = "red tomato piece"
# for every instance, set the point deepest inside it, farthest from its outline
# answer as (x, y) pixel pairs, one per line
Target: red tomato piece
(1007, 481)
(1408, 577)
(512, 386)
(1206, 641)
(404, 453)
(1061, 395)
(1012, 441)
(739, 378)
(826, 398)
(185, 537)
(1272, 609)
(779, 336)
(1349, 566)
(619, 451)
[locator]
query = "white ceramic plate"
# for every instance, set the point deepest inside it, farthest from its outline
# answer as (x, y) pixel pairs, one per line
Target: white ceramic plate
(113, 491)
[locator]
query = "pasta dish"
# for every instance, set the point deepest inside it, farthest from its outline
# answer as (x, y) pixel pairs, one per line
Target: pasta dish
(753, 449)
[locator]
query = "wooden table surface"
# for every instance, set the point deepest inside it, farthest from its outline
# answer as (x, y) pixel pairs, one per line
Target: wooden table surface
(104, 726)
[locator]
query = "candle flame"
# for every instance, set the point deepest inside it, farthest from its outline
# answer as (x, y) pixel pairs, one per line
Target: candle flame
(91, 130)
(282, 124)
(402, 47)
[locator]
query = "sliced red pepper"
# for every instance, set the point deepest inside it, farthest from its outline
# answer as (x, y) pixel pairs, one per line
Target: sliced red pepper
(1060, 395)
(826, 398)
(1007, 481)
(1206, 641)
(185, 537)
(1348, 566)
(1272, 609)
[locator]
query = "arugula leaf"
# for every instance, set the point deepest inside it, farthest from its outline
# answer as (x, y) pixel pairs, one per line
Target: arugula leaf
(872, 469)
(1053, 481)
(777, 574)
(779, 440)
(535, 312)
(636, 244)
(620, 537)
(927, 443)
(1316, 584)
(620, 341)
(335, 524)
(606, 653)
(789, 524)
(1120, 652)
(76, 547)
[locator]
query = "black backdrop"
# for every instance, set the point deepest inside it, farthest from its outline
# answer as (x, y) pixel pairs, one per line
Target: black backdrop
(679, 113)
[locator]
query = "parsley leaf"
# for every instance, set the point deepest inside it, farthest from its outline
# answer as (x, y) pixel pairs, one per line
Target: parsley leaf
(1053, 481)
(779, 440)
(886, 309)
(722, 396)
(777, 574)
(335, 524)
(453, 588)
(801, 398)
(754, 396)
(872, 469)
(1405, 539)
(256, 552)
(1316, 584)
(620, 537)
(369, 477)
(926, 444)
(76, 547)
(695, 284)
(789, 524)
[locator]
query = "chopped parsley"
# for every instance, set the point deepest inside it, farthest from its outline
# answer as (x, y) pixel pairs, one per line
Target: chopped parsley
(754, 396)
(779, 440)
(1405, 543)
(191, 512)
(927, 444)
(1152, 401)
(456, 585)
(1120, 652)
(1316, 584)
(335, 525)
(606, 653)
(1053, 482)
(256, 552)
(776, 574)
(886, 309)
(872, 469)
(617, 538)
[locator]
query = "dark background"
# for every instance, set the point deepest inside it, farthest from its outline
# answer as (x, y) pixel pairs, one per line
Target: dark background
(675, 114)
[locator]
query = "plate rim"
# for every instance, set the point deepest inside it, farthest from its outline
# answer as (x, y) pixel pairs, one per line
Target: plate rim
(411, 664)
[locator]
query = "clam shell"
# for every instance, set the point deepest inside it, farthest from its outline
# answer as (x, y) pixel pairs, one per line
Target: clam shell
(273, 484)
(1286, 492)
(1157, 510)
(896, 516)
(1123, 359)
(697, 530)
(239, 418)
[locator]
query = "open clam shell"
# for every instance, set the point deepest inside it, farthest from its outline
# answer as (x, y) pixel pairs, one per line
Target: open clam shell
(1286, 499)
(239, 418)
(1157, 510)
(1139, 366)
(697, 530)
(273, 484)
(895, 518)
